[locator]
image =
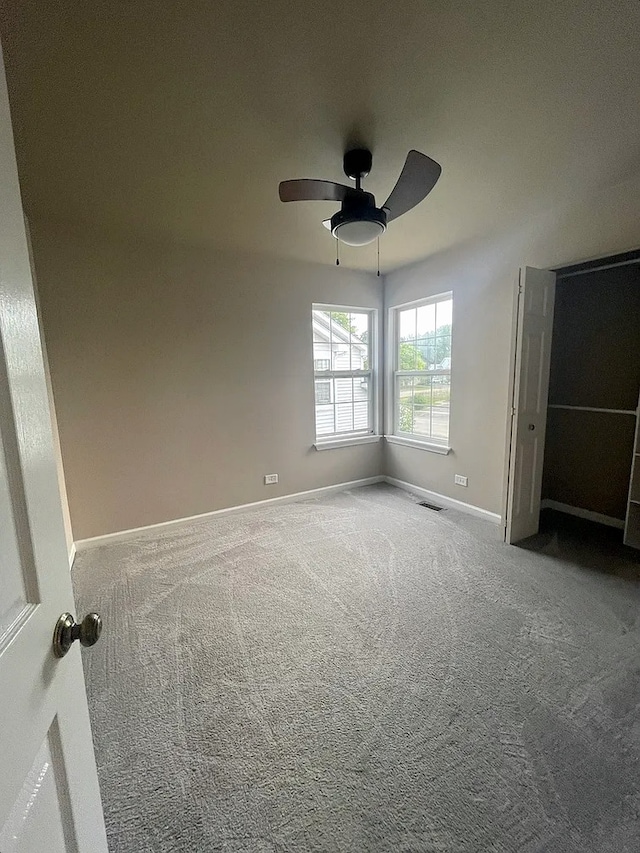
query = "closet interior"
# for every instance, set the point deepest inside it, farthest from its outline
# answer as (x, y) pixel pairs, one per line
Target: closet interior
(592, 452)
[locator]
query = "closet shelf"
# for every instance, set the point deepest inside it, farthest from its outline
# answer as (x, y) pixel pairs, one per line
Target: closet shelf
(592, 409)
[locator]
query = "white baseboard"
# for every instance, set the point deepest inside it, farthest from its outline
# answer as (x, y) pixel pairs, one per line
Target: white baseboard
(583, 513)
(137, 532)
(72, 554)
(151, 529)
(451, 503)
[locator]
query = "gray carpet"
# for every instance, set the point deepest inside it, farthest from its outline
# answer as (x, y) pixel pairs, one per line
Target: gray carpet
(357, 673)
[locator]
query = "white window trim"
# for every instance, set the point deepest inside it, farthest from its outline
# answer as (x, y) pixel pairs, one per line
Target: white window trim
(392, 434)
(352, 441)
(442, 449)
(335, 440)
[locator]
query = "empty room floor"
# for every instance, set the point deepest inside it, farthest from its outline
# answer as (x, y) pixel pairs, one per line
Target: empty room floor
(359, 673)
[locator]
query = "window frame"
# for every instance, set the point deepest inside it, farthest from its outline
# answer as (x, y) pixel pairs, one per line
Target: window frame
(394, 373)
(346, 438)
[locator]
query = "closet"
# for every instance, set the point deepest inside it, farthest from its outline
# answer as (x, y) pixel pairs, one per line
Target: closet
(591, 440)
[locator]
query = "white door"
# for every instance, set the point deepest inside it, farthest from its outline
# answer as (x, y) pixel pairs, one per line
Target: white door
(49, 797)
(534, 326)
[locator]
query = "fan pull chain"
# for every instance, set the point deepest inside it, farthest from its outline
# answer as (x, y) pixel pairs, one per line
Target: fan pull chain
(337, 252)
(378, 257)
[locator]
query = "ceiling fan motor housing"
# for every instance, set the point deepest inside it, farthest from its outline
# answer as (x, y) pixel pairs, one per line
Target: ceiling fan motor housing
(357, 163)
(359, 221)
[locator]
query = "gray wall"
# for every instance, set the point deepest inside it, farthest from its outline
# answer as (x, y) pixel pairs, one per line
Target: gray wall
(479, 376)
(482, 275)
(182, 376)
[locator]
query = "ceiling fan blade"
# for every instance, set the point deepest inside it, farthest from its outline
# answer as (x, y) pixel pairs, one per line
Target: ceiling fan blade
(307, 189)
(417, 178)
(327, 224)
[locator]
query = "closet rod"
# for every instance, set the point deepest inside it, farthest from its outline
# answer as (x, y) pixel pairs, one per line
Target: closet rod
(599, 269)
(593, 409)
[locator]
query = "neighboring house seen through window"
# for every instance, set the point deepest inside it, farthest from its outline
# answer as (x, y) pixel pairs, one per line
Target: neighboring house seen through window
(422, 369)
(342, 371)
(323, 391)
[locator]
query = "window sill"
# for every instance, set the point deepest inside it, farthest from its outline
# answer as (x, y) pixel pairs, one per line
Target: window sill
(442, 449)
(333, 443)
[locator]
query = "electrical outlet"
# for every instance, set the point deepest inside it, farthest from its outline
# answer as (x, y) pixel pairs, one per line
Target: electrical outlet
(459, 480)
(270, 479)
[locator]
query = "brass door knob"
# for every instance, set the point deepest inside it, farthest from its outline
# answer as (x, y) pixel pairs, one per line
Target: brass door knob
(67, 631)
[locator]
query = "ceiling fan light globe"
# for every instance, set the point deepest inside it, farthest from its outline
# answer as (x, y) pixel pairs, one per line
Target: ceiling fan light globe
(359, 230)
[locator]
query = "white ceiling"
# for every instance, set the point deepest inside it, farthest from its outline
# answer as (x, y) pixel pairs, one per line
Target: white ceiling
(180, 118)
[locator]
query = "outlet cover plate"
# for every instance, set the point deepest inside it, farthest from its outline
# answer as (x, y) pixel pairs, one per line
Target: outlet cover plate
(270, 479)
(459, 480)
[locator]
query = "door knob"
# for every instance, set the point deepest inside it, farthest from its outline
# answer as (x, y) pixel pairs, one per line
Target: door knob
(67, 631)
(532, 426)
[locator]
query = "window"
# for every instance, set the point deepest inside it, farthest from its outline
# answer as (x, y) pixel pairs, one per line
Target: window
(343, 371)
(323, 391)
(422, 369)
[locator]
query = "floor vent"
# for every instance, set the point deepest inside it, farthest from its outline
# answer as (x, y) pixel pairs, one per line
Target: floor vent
(431, 506)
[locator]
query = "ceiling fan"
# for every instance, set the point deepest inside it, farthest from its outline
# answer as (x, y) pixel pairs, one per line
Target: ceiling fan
(359, 221)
